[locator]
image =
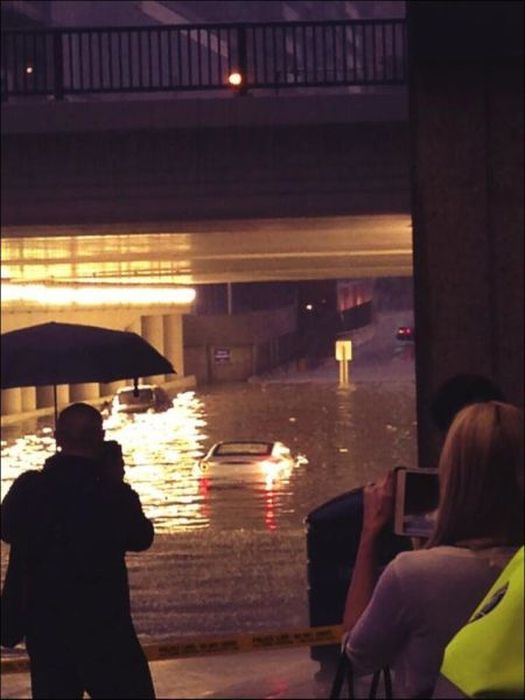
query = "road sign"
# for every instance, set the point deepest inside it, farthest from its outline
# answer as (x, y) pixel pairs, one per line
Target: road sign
(343, 354)
(343, 350)
(221, 355)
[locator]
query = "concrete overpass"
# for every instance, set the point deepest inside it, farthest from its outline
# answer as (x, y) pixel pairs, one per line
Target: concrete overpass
(112, 166)
(199, 191)
(81, 165)
(185, 192)
(215, 251)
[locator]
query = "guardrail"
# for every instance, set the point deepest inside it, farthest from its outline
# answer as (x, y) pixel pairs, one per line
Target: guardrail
(62, 62)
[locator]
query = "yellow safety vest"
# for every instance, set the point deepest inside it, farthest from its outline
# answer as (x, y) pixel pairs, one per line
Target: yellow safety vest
(486, 657)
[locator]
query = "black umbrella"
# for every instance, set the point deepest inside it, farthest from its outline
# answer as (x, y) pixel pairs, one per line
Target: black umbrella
(68, 353)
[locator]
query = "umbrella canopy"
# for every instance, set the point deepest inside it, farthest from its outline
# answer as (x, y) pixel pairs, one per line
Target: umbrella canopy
(68, 353)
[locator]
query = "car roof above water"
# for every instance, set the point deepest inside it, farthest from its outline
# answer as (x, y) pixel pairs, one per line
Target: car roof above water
(140, 387)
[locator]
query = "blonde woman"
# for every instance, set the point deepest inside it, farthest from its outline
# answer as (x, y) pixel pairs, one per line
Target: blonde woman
(424, 597)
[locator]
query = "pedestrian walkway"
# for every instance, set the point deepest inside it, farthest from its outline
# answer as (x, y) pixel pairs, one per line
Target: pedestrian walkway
(282, 674)
(287, 673)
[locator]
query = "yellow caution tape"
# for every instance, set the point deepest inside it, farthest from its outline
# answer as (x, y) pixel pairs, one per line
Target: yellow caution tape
(202, 646)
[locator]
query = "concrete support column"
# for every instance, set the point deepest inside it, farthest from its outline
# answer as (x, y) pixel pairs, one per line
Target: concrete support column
(466, 121)
(84, 392)
(135, 326)
(173, 343)
(28, 398)
(44, 396)
(110, 388)
(11, 401)
(153, 332)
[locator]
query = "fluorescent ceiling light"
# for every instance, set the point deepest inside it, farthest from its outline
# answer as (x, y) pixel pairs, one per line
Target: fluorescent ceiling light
(96, 295)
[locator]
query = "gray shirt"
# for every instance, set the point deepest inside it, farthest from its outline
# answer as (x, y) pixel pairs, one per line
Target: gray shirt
(421, 600)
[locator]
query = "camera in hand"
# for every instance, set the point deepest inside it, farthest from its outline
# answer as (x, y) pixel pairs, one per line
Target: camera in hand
(416, 501)
(113, 459)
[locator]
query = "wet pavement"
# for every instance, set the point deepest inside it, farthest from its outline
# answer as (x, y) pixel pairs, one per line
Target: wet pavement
(286, 674)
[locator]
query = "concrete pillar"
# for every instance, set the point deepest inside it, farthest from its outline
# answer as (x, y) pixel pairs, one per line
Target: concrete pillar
(83, 392)
(466, 131)
(63, 398)
(11, 401)
(110, 388)
(153, 332)
(135, 326)
(173, 343)
(28, 398)
(229, 298)
(44, 396)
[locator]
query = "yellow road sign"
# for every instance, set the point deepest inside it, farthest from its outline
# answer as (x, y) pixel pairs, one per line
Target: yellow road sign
(343, 350)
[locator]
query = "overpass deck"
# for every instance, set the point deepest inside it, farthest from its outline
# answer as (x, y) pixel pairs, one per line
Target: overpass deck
(256, 250)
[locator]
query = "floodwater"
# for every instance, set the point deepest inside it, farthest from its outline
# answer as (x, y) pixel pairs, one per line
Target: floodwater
(233, 557)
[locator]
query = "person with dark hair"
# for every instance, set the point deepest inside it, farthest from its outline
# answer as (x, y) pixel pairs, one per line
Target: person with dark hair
(460, 391)
(71, 524)
(423, 597)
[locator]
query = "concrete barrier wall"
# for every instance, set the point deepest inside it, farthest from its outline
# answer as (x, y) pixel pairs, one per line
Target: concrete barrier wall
(253, 327)
(233, 348)
(188, 173)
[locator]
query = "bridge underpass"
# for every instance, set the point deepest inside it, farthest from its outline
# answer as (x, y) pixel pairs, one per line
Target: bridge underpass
(87, 161)
(169, 192)
(161, 256)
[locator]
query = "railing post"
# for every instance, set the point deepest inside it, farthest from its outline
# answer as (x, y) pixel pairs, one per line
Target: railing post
(58, 66)
(243, 59)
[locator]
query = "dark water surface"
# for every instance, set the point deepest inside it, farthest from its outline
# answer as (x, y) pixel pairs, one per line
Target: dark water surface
(232, 557)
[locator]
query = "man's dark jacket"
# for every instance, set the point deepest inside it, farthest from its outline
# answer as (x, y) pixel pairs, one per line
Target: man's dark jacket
(73, 526)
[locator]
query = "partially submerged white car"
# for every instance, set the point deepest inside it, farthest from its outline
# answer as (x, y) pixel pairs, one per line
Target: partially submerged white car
(145, 398)
(248, 460)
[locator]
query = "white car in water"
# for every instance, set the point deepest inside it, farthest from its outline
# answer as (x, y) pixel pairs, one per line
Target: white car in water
(145, 398)
(248, 460)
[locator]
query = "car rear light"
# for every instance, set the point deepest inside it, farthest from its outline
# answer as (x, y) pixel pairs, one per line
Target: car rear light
(270, 467)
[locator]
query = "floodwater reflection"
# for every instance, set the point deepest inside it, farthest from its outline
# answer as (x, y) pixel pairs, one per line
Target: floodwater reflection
(232, 556)
(348, 435)
(160, 451)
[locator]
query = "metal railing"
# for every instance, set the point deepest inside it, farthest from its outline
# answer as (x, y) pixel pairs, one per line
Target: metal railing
(63, 62)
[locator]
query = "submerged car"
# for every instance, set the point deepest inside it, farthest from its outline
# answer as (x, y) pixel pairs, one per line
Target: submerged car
(248, 460)
(144, 398)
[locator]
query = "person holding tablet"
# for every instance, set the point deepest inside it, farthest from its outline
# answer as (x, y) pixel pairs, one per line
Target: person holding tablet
(423, 597)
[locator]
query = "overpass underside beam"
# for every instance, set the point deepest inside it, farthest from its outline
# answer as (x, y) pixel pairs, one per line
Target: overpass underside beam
(213, 251)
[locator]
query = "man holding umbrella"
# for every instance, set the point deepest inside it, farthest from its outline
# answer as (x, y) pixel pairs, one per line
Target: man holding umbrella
(70, 525)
